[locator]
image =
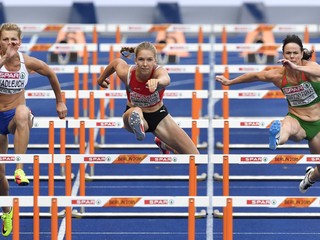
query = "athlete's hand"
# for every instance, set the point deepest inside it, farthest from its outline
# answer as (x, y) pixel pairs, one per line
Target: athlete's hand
(105, 83)
(62, 110)
(12, 49)
(152, 84)
(225, 81)
(288, 64)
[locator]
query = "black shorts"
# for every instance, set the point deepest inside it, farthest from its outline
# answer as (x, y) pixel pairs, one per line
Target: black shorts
(154, 118)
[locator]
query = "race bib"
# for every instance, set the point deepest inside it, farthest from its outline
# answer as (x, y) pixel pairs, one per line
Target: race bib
(139, 100)
(300, 95)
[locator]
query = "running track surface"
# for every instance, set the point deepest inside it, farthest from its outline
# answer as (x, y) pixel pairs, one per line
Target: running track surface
(121, 228)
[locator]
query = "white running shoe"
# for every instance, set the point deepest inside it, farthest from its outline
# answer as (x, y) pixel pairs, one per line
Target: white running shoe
(306, 183)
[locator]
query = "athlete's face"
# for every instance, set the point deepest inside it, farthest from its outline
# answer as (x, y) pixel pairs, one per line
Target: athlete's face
(145, 61)
(9, 38)
(293, 53)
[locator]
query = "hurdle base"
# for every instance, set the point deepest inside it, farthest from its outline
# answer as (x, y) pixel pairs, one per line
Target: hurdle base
(219, 177)
(41, 214)
(46, 146)
(218, 214)
(88, 178)
(219, 145)
(201, 214)
(44, 178)
(102, 146)
(203, 145)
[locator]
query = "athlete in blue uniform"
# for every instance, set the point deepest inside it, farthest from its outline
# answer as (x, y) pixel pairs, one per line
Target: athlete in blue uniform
(15, 116)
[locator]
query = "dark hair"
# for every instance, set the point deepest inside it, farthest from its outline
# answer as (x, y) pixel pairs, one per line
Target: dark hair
(127, 51)
(307, 54)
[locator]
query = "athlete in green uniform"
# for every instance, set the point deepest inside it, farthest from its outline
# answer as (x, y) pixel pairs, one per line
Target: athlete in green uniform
(299, 80)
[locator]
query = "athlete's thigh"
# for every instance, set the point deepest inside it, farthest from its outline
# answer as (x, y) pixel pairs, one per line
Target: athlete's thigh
(314, 144)
(293, 128)
(173, 135)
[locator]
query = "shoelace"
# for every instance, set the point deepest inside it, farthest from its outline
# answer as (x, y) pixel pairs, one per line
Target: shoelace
(5, 217)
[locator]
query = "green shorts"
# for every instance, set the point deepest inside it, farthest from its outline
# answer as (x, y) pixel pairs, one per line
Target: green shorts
(311, 128)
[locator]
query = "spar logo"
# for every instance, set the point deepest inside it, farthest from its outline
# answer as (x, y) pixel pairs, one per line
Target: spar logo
(37, 94)
(136, 28)
(106, 124)
(178, 47)
(162, 159)
(260, 202)
(58, 69)
(244, 47)
(242, 29)
(95, 159)
(248, 94)
(248, 69)
(30, 28)
(313, 159)
(10, 75)
(171, 94)
(76, 28)
(116, 94)
(64, 47)
(294, 89)
(175, 69)
(286, 28)
(8, 159)
(250, 124)
(85, 202)
(252, 159)
(158, 202)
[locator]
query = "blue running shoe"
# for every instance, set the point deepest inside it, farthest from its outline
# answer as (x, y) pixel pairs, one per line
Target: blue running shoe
(137, 126)
(274, 134)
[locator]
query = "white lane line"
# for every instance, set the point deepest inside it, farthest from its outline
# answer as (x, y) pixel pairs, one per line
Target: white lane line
(75, 187)
(33, 40)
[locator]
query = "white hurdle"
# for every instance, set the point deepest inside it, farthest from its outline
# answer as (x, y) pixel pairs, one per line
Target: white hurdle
(174, 94)
(149, 202)
(162, 201)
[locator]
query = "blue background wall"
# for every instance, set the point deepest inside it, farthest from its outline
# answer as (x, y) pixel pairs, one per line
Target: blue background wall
(137, 13)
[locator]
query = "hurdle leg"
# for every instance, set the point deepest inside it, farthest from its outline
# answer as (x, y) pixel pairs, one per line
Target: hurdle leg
(16, 221)
(68, 193)
(82, 166)
(191, 219)
(91, 131)
(54, 219)
(229, 220)
(36, 192)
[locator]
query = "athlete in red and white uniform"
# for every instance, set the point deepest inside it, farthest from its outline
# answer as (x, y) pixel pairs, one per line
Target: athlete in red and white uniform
(145, 112)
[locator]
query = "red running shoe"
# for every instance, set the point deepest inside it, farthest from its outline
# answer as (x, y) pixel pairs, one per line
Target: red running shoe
(161, 146)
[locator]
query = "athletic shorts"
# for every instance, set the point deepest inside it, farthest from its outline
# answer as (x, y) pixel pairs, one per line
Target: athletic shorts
(5, 118)
(311, 128)
(154, 118)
